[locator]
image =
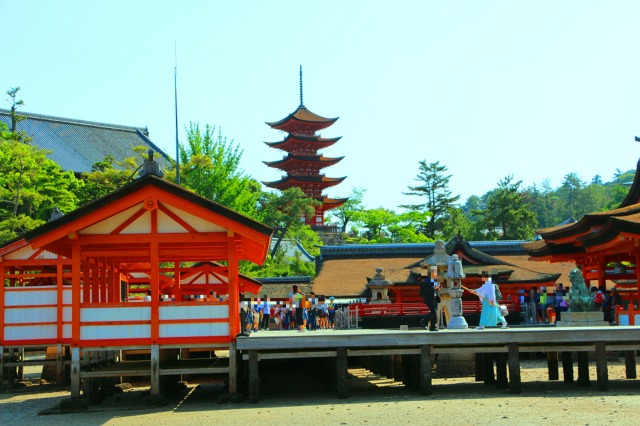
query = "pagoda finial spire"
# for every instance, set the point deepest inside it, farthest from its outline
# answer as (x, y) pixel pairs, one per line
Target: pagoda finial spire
(301, 103)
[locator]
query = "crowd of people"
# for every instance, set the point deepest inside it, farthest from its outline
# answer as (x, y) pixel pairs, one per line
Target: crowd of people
(606, 302)
(301, 312)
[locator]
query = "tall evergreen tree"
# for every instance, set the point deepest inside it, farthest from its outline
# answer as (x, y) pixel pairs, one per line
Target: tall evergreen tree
(211, 167)
(434, 189)
(508, 216)
(349, 210)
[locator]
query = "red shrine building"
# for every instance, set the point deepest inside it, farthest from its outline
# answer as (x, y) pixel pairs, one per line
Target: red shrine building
(303, 162)
(604, 245)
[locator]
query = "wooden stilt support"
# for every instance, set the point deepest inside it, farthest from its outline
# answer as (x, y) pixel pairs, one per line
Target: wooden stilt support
(425, 370)
(2, 372)
(502, 381)
(479, 367)
(155, 370)
(233, 368)
(75, 372)
(406, 370)
(487, 369)
(567, 367)
(601, 367)
(254, 377)
(515, 383)
(552, 365)
(583, 369)
(397, 368)
(12, 371)
(59, 363)
(630, 364)
(20, 369)
(342, 373)
(390, 360)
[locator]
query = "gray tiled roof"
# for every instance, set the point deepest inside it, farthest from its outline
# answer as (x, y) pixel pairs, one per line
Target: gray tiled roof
(76, 145)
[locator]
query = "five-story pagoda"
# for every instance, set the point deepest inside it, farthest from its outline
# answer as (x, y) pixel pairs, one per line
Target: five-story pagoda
(303, 162)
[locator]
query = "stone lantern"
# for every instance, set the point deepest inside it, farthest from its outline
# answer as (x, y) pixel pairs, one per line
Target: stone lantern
(379, 287)
(454, 279)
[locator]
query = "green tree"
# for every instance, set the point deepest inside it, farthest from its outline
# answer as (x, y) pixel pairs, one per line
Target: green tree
(108, 175)
(211, 168)
(458, 222)
(406, 227)
(31, 185)
(569, 195)
(286, 212)
(434, 188)
(349, 210)
(376, 222)
(15, 117)
(508, 216)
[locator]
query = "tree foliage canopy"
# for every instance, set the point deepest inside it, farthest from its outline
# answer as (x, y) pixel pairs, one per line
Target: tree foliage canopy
(211, 167)
(437, 198)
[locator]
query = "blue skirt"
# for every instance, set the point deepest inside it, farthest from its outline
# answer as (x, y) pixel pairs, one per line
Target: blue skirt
(488, 315)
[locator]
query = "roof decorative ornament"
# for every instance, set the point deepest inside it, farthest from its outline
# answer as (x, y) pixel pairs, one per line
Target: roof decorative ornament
(55, 214)
(301, 103)
(440, 256)
(150, 167)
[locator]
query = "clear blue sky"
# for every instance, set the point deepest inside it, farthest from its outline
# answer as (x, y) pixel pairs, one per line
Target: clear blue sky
(534, 89)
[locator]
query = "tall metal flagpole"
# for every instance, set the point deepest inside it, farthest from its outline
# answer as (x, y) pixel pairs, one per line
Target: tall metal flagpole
(175, 85)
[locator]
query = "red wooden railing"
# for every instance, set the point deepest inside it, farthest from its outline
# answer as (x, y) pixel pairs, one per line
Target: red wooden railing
(417, 308)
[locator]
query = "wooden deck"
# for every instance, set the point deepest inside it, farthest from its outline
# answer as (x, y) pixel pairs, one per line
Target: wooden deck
(419, 346)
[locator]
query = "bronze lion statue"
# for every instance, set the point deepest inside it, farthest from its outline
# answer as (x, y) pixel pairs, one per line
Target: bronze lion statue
(580, 297)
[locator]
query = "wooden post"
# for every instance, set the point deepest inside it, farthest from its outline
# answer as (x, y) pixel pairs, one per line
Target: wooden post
(425, 370)
(487, 369)
(567, 367)
(233, 286)
(59, 363)
(254, 377)
(11, 371)
(381, 365)
(233, 368)
(397, 368)
(502, 381)
(630, 364)
(515, 383)
(155, 369)
(552, 365)
(479, 367)
(601, 366)
(406, 370)
(75, 372)
(583, 369)
(342, 373)
(389, 373)
(1, 363)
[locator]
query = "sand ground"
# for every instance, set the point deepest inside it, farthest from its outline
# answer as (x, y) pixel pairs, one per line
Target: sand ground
(373, 401)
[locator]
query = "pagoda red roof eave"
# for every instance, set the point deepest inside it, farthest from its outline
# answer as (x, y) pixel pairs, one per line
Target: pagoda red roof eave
(291, 138)
(324, 161)
(303, 115)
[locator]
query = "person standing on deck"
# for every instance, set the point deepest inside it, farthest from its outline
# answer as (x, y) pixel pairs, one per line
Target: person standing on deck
(489, 312)
(297, 300)
(429, 293)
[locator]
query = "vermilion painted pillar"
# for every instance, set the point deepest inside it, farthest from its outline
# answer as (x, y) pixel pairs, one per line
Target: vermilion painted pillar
(234, 288)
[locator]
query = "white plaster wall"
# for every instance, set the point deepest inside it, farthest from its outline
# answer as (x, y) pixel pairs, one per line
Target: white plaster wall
(195, 330)
(194, 312)
(31, 332)
(111, 223)
(135, 313)
(45, 295)
(201, 225)
(103, 332)
(30, 315)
